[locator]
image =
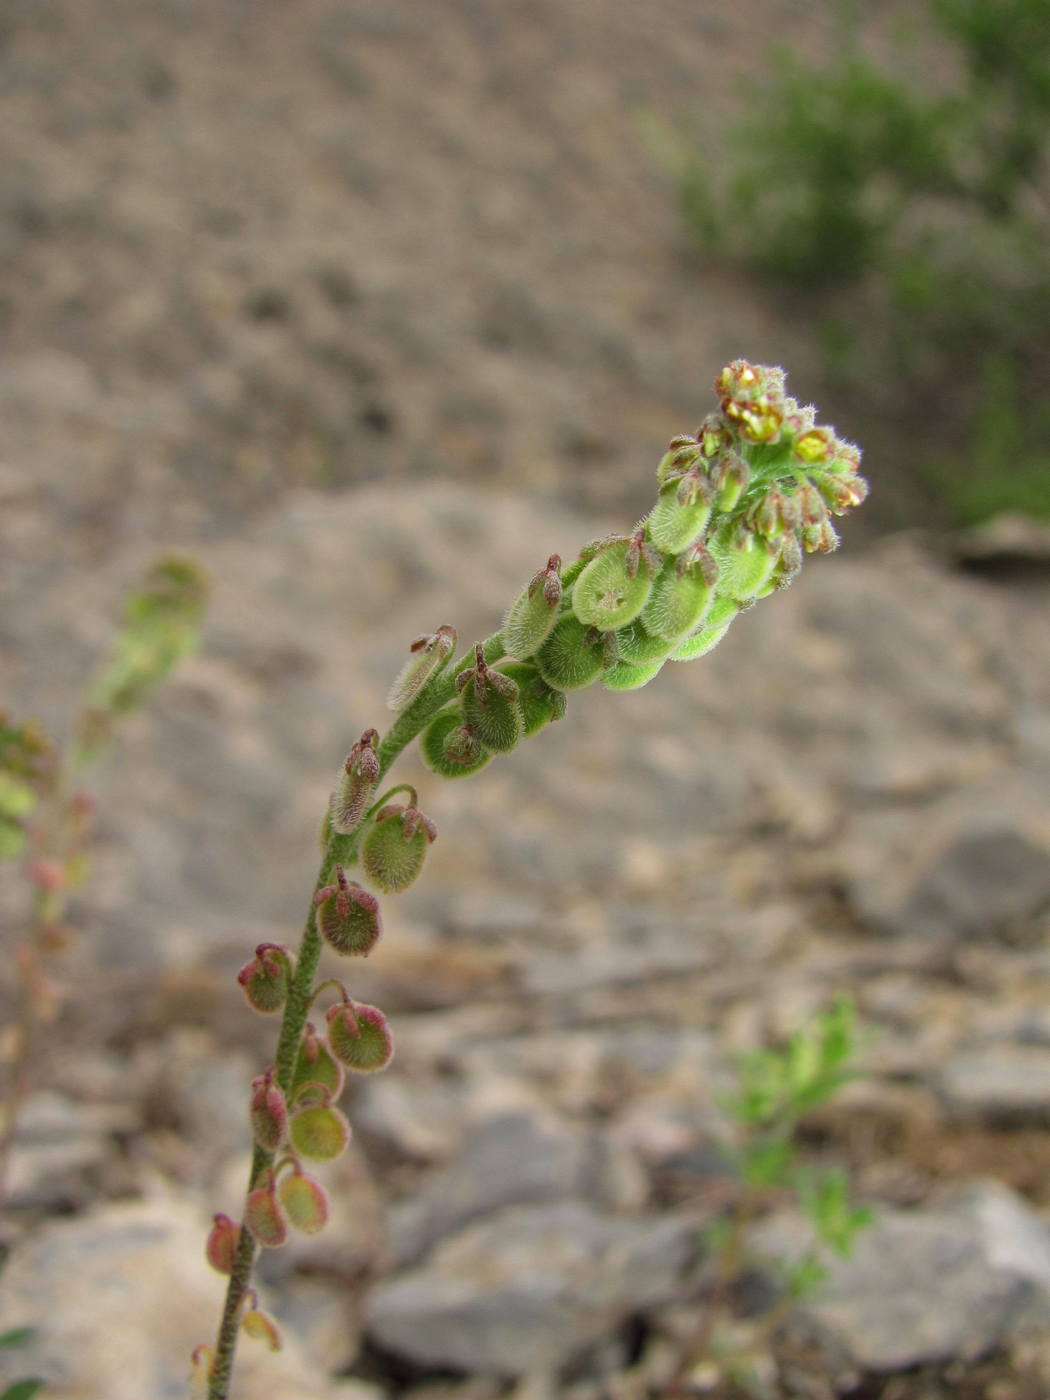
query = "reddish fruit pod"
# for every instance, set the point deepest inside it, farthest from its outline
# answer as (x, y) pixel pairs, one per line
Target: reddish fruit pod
(264, 1217)
(360, 1037)
(348, 916)
(304, 1201)
(221, 1247)
(266, 976)
(269, 1114)
(357, 784)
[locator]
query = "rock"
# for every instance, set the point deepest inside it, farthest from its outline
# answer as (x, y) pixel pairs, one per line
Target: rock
(512, 1159)
(526, 1288)
(926, 1285)
(987, 882)
(120, 1297)
(61, 1148)
(1000, 1083)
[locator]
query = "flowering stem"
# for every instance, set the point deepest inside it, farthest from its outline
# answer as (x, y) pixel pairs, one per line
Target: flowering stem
(300, 996)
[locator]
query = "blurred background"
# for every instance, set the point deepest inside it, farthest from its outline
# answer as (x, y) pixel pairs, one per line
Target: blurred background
(369, 308)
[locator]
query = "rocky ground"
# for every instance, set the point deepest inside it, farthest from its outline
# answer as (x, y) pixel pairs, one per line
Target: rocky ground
(372, 307)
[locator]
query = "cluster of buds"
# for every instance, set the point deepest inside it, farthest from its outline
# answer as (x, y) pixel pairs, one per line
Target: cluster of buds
(740, 502)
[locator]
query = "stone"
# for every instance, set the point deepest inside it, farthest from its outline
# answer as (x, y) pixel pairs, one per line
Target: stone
(1005, 1084)
(527, 1287)
(925, 1285)
(511, 1159)
(119, 1298)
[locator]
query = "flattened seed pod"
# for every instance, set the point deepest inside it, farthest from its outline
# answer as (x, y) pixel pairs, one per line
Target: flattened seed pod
(634, 643)
(532, 615)
(673, 525)
(491, 711)
(744, 567)
(606, 595)
(395, 847)
(539, 703)
(571, 657)
(440, 749)
(677, 603)
(625, 676)
(700, 643)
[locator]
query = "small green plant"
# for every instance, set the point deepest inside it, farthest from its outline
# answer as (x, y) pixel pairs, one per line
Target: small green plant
(45, 813)
(776, 1088)
(26, 1388)
(739, 502)
(914, 220)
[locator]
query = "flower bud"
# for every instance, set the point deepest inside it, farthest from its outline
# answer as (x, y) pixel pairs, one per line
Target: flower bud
(304, 1201)
(266, 976)
(269, 1115)
(539, 704)
(348, 916)
(264, 1218)
(734, 474)
(572, 656)
(360, 775)
(489, 703)
(360, 1036)
(261, 1326)
(681, 453)
(221, 1247)
(450, 748)
(396, 845)
(316, 1067)
(319, 1132)
(532, 615)
(609, 592)
(815, 445)
(428, 656)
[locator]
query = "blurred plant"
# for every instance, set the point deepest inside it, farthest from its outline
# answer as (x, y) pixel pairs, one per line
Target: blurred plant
(26, 1388)
(917, 225)
(775, 1090)
(46, 816)
(739, 502)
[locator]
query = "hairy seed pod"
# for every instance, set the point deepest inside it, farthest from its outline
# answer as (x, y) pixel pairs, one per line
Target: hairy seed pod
(356, 785)
(572, 656)
(428, 657)
(348, 916)
(304, 1201)
(679, 599)
(395, 846)
(448, 750)
(261, 1327)
(269, 1115)
(609, 592)
(700, 643)
(625, 676)
(489, 705)
(266, 976)
(673, 525)
(745, 564)
(221, 1247)
(316, 1066)
(638, 646)
(539, 704)
(264, 1218)
(532, 615)
(360, 1036)
(319, 1132)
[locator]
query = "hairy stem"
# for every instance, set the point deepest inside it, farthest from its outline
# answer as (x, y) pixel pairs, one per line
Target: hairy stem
(300, 996)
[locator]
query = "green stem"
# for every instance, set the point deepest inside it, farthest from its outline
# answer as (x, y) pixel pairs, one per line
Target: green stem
(300, 996)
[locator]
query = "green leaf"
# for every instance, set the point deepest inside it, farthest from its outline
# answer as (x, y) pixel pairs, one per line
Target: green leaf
(17, 1337)
(23, 1390)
